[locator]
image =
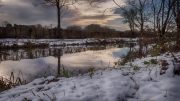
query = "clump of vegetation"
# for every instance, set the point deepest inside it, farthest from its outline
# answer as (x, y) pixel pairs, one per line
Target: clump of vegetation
(146, 62)
(91, 71)
(136, 68)
(115, 64)
(65, 72)
(164, 67)
(6, 83)
(122, 63)
(164, 63)
(154, 52)
(131, 64)
(153, 61)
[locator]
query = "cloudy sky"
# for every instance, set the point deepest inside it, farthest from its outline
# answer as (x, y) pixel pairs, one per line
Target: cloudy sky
(23, 12)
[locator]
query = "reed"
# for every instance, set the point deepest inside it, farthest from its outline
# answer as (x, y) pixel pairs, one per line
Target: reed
(13, 81)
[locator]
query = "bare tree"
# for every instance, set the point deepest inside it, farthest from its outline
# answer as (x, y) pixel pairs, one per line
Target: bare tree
(176, 12)
(5, 23)
(161, 13)
(165, 10)
(61, 6)
(129, 16)
(142, 9)
(154, 12)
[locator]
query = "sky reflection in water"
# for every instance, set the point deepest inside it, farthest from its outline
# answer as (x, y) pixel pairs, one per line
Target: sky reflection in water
(74, 61)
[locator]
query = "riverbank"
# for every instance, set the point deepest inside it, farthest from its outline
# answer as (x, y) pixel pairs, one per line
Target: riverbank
(145, 79)
(27, 43)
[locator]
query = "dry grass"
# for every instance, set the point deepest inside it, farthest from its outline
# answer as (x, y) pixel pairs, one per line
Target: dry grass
(13, 81)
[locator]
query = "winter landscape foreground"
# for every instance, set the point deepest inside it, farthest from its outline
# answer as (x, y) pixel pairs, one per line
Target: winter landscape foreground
(90, 50)
(145, 79)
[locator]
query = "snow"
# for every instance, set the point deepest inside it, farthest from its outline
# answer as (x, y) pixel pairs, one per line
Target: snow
(122, 83)
(104, 86)
(58, 42)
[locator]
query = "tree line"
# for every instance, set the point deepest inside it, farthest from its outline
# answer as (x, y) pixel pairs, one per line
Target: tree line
(8, 30)
(160, 17)
(38, 31)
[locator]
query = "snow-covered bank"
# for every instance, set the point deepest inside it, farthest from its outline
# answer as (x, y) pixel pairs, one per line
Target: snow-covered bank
(141, 80)
(107, 85)
(20, 42)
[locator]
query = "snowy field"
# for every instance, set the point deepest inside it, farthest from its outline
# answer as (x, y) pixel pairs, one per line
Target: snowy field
(10, 42)
(141, 80)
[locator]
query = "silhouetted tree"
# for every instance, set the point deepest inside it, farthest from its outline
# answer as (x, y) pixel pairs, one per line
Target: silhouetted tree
(5, 23)
(92, 28)
(61, 6)
(74, 27)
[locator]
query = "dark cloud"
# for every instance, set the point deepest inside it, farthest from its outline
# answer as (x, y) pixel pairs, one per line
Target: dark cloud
(99, 17)
(26, 13)
(118, 11)
(23, 12)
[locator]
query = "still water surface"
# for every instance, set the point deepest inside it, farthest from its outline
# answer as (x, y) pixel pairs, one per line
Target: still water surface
(43, 62)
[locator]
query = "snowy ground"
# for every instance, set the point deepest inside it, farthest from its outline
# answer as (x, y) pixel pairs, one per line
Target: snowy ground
(10, 42)
(136, 81)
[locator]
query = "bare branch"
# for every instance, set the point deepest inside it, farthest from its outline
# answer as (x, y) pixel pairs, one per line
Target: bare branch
(117, 4)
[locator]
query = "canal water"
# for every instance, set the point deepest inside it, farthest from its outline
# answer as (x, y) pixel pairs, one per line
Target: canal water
(40, 62)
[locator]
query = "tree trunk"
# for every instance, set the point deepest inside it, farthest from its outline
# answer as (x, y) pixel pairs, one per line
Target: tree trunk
(178, 28)
(59, 21)
(178, 36)
(163, 31)
(59, 63)
(142, 24)
(178, 22)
